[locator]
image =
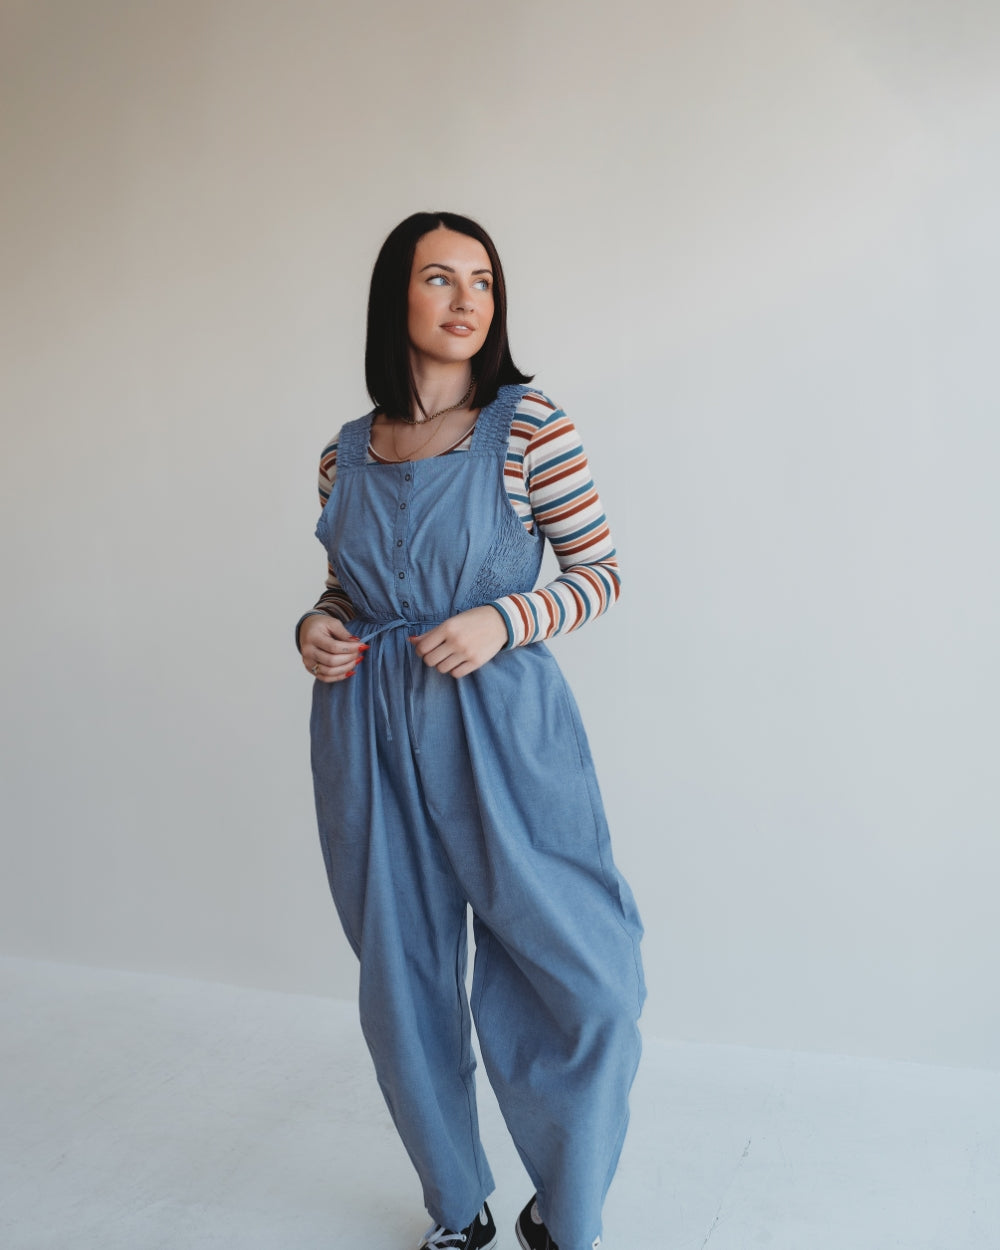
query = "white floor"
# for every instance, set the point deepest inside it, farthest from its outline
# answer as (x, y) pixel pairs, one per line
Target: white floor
(140, 1113)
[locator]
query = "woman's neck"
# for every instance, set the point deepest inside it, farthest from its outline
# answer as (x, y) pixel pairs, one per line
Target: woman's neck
(440, 387)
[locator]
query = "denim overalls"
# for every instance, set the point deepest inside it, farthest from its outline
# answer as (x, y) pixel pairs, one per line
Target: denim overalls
(434, 793)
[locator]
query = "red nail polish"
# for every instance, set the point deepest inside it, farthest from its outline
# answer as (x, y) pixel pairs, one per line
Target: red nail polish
(365, 647)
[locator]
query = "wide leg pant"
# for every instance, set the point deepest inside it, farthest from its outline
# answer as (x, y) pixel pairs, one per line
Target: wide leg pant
(448, 813)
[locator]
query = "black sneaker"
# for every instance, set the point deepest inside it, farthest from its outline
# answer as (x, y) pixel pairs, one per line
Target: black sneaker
(531, 1232)
(481, 1234)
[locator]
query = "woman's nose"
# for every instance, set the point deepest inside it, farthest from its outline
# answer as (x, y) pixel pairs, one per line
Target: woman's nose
(462, 299)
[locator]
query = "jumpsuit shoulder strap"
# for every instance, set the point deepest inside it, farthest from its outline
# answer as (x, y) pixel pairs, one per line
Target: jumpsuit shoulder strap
(493, 426)
(352, 444)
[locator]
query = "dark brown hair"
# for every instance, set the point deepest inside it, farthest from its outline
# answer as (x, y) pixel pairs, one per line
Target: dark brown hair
(388, 373)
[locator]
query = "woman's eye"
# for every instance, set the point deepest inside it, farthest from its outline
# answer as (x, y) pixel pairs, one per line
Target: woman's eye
(438, 279)
(483, 284)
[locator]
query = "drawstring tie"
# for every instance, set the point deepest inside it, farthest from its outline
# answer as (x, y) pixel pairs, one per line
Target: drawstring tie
(368, 631)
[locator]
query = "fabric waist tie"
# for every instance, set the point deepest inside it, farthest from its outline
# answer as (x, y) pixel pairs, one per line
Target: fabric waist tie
(368, 630)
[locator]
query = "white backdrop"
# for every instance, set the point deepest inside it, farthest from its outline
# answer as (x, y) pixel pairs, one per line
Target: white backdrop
(752, 249)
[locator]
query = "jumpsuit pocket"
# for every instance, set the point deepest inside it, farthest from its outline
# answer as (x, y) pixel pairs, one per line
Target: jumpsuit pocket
(530, 754)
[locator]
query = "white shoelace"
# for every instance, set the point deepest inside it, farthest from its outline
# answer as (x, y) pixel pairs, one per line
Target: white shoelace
(438, 1237)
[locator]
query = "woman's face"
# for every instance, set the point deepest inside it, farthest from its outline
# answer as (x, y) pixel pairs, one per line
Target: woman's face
(450, 302)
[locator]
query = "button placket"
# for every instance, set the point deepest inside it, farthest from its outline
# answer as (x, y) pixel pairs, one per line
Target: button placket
(400, 562)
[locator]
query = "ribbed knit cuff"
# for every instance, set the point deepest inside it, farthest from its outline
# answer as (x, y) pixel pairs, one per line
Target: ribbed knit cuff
(516, 612)
(298, 626)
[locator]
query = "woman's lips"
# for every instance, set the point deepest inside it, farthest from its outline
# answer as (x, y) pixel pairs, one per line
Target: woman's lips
(458, 327)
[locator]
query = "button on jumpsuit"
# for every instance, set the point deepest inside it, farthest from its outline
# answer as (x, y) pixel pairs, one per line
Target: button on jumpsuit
(435, 793)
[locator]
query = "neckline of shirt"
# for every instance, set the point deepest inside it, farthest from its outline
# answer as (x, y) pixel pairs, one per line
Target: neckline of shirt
(456, 446)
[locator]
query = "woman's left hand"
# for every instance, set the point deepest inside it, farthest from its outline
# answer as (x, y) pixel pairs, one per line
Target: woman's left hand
(463, 643)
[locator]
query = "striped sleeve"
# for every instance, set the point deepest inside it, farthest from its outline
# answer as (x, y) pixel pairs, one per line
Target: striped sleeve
(549, 483)
(334, 600)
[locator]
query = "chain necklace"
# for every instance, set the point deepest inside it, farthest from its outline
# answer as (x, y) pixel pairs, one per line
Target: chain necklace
(420, 446)
(405, 459)
(427, 420)
(434, 416)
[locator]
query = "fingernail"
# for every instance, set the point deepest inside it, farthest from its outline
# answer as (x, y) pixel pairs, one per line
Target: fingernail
(414, 637)
(355, 638)
(364, 647)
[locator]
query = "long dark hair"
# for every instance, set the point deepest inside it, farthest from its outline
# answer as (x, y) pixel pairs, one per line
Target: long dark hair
(388, 373)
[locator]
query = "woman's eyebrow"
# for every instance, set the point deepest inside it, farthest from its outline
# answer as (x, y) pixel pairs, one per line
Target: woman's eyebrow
(448, 269)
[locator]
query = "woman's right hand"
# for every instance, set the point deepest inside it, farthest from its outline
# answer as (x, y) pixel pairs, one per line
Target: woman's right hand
(329, 652)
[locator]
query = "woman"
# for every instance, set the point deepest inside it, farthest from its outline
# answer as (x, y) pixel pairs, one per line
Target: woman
(450, 765)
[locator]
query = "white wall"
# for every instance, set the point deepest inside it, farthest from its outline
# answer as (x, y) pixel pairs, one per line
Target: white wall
(751, 248)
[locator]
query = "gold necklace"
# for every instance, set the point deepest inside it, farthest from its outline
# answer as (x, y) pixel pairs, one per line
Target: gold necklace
(419, 447)
(434, 416)
(404, 460)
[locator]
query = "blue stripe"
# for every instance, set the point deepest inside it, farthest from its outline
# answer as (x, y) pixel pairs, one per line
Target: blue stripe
(532, 418)
(563, 539)
(529, 600)
(603, 575)
(553, 461)
(560, 500)
(560, 609)
(507, 621)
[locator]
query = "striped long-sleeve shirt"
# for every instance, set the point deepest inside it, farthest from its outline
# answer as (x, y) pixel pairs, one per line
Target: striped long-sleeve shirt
(548, 482)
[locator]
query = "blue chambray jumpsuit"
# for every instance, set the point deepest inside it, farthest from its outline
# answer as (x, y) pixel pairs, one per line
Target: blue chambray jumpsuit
(434, 793)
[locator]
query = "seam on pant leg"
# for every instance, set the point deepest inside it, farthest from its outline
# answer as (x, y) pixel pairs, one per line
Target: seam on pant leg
(465, 1027)
(482, 964)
